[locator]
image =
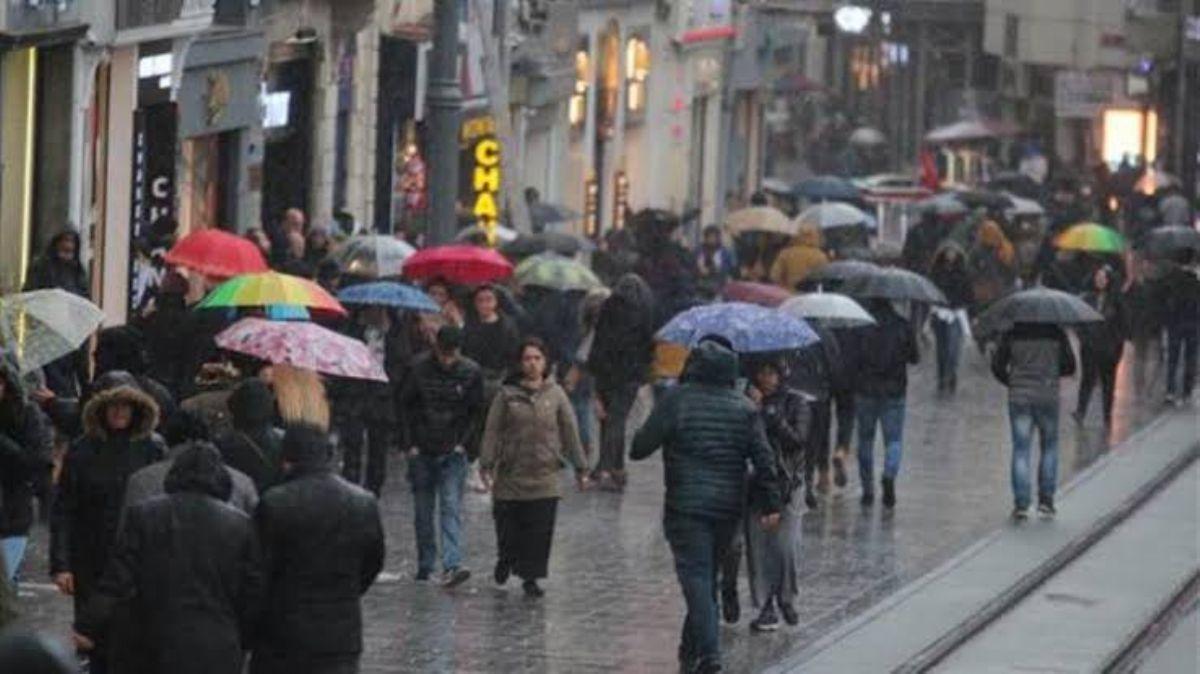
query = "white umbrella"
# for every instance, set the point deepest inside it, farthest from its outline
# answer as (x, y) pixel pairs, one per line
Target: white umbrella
(867, 136)
(831, 214)
(1023, 207)
(41, 326)
(831, 310)
(759, 219)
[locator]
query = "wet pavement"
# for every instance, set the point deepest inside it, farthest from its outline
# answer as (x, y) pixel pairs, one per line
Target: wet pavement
(612, 603)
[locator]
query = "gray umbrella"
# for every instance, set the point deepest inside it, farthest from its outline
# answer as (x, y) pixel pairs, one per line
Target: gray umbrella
(890, 283)
(1036, 305)
(1167, 241)
(841, 270)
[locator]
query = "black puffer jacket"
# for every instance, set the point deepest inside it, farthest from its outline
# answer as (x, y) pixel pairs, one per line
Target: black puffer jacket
(323, 546)
(817, 368)
(373, 401)
(254, 445)
(442, 405)
(623, 347)
(709, 433)
(25, 444)
(885, 350)
(1106, 338)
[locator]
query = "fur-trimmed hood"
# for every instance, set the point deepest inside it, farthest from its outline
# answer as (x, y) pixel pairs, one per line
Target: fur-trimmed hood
(145, 412)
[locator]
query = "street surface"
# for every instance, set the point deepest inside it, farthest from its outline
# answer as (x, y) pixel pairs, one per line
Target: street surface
(612, 602)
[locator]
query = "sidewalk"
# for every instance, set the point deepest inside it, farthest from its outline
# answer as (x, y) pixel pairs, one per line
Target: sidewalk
(914, 618)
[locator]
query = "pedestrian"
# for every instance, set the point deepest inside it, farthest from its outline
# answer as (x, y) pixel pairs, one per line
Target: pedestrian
(123, 349)
(773, 556)
(715, 261)
(442, 401)
(1029, 361)
(844, 395)
(150, 482)
(451, 313)
(992, 262)
(1174, 209)
(530, 433)
(26, 443)
(1101, 345)
(708, 432)
(1181, 288)
(60, 267)
(185, 583)
(118, 440)
(253, 444)
(798, 260)
(299, 396)
(1144, 304)
(492, 340)
(578, 382)
(885, 351)
(816, 371)
(949, 272)
(317, 246)
(323, 546)
(619, 360)
(211, 389)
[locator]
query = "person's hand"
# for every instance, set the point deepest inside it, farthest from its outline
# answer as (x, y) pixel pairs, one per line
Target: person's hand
(769, 521)
(601, 415)
(65, 582)
(43, 396)
(82, 643)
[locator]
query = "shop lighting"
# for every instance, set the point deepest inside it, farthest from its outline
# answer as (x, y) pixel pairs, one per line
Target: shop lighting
(852, 19)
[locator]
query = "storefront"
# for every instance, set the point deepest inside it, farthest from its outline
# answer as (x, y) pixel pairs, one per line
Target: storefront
(288, 129)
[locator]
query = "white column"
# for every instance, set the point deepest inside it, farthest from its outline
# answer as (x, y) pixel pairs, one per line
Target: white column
(114, 297)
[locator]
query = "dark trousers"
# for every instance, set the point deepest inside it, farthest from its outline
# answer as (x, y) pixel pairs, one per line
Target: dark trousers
(949, 337)
(617, 403)
(376, 436)
(274, 662)
(817, 456)
(698, 544)
(846, 414)
(1183, 342)
(1102, 367)
(524, 532)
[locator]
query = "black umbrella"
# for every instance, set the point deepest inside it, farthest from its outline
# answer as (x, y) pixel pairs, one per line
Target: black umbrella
(829, 188)
(1168, 241)
(1036, 305)
(841, 270)
(891, 283)
(554, 242)
(993, 201)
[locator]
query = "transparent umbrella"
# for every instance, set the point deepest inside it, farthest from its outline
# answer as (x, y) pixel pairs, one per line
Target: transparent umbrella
(39, 327)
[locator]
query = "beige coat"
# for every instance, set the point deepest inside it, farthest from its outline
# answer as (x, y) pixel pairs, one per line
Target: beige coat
(528, 438)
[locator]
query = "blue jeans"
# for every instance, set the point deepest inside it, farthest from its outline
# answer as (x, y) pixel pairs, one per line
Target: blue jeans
(581, 402)
(437, 481)
(1025, 417)
(698, 543)
(13, 548)
(888, 413)
(949, 336)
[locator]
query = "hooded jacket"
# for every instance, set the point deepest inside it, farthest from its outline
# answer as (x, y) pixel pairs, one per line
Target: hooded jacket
(91, 486)
(1106, 338)
(623, 343)
(528, 437)
(885, 350)
(25, 444)
(49, 271)
(253, 445)
(797, 261)
(709, 433)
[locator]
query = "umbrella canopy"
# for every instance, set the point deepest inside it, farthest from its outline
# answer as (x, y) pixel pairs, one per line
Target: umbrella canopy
(943, 204)
(374, 256)
(466, 265)
(762, 294)
(1023, 207)
(478, 235)
(841, 270)
(303, 345)
(554, 242)
(389, 294)
(827, 188)
(891, 283)
(1092, 238)
(866, 136)
(972, 199)
(749, 328)
(217, 253)
(832, 214)
(272, 288)
(542, 214)
(968, 130)
(759, 219)
(829, 309)
(39, 327)
(1036, 305)
(555, 272)
(1168, 241)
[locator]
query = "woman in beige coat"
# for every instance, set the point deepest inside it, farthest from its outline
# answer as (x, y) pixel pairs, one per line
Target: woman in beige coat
(529, 436)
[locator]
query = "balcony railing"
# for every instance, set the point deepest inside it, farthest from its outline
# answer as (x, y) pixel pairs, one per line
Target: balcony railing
(33, 16)
(145, 13)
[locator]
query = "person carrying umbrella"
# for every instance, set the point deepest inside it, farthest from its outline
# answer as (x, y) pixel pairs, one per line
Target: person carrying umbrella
(794, 263)
(1101, 345)
(948, 272)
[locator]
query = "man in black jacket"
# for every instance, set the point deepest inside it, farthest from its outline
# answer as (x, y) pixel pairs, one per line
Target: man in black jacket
(708, 432)
(1181, 286)
(323, 546)
(443, 407)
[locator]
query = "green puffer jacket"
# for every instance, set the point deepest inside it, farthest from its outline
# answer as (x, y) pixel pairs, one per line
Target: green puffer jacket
(708, 432)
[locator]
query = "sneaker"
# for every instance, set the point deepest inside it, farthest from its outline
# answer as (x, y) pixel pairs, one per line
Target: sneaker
(839, 472)
(1020, 514)
(532, 590)
(889, 493)
(731, 610)
(868, 499)
(455, 577)
(501, 573)
(766, 621)
(789, 614)
(1046, 507)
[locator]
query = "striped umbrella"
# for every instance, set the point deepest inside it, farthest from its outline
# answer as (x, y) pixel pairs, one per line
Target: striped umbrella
(39, 327)
(555, 272)
(1091, 238)
(272, 288)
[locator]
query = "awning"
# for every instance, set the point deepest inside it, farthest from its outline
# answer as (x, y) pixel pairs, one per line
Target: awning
(42, 37)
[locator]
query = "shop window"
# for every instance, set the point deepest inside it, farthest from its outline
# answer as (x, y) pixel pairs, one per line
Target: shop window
(577, 107)
(637, 72)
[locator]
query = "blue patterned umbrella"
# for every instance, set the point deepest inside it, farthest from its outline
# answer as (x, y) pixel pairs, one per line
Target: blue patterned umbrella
(749, 328)
(389, 294)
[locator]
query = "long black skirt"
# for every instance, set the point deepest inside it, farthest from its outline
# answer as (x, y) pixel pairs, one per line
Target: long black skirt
(524, 530)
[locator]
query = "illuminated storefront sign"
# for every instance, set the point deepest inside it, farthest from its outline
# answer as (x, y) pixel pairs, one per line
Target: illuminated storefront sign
(485, 182)
(591, 207)
(620, 199)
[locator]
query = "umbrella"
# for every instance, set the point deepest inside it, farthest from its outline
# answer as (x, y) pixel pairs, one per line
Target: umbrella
(973, 199)
(272, 288)
(217, 253)
(1092, 238)
(829, 309)
(555, 272)
(555, 242)
(461, 264)
(867, 136)
(1024, 208)
(39, 327)
(762, 294)
(759, 219)
(827, 188)
(831, 214)
(542, 214)
(389, 294)
(303, 345)
(749, 328)
(1036, 305)
(478, 235)
(943, 204)
(967, 130)
(1168, 241)
(841, 270)
(891, 283)
(373, 256)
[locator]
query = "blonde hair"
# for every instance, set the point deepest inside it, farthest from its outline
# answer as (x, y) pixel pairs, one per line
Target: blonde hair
(300, 395)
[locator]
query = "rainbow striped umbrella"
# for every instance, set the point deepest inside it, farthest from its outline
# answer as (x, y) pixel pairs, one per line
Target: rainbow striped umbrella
(1092, 238)
(272, 289)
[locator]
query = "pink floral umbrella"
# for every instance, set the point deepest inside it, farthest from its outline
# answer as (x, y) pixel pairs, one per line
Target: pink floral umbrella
(303, 345)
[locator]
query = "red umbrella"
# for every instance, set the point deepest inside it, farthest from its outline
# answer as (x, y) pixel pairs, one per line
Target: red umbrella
(762, 294)
(214, 252)
(464, 265)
